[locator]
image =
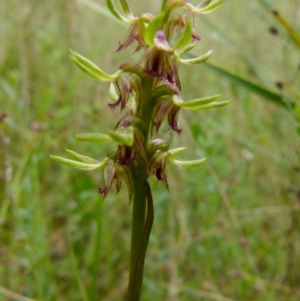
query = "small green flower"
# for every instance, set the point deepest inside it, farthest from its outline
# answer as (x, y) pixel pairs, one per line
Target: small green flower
(161, 155)
(84, 163)
(115, 174)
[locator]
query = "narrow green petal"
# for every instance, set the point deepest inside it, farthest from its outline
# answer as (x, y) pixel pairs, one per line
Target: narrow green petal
(92, 137)
(192, 104)
(112, 8)
(174, 151)
(193, 163)
(186, 37)
(125, 8)
(91, 69)
(155, 25)
(124, 136)
(212, 105)
(197, 60)
(206, 9)
(76, 164)
(82, 158)
(185, 49)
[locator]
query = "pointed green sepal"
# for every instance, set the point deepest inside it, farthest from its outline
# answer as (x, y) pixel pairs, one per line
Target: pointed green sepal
(185, 49)
(112, 8)
(212, 105)
(195, 103)
(212, 5)
(77, 164)
(186, 37)
(91, 69)
(192, 163)
(125, 8)
(82, 158)
(124, 136)
(197, 60)
(155, 25)
(174, 151)
(92, 137)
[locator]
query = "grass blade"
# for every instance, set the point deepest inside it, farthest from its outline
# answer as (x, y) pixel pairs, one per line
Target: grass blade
(250, 85)
(294, 35)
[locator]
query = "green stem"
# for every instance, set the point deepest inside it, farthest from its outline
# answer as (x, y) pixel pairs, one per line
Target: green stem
(141, 225)
(138, 215)
(140, 239)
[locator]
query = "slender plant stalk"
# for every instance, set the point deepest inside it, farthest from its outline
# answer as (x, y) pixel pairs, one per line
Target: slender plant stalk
(137, 262)
(138, 221)
(142, 199)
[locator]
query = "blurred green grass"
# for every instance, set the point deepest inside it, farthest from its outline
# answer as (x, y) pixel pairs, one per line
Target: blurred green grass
(226, 231)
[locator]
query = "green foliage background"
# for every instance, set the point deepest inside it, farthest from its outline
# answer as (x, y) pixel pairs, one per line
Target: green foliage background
(226, 231)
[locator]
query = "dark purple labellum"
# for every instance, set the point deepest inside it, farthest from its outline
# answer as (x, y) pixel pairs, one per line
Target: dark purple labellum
(102, 191)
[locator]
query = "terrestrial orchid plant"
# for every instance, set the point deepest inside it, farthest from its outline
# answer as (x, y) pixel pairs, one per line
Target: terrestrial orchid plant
(148, 93)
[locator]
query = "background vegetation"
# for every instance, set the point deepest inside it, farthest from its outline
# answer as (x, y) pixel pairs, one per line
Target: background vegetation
(227, 231)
